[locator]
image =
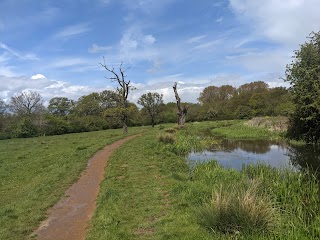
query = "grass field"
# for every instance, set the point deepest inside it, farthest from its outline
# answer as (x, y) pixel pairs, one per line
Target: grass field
(149, 191)
(35, 172)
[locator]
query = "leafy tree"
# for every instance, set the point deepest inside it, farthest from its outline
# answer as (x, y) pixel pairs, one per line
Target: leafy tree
(109, 99)
(88, 105)
(26, 103)
(216, 101)
(60, 106)
(304, 76)
(151, 103)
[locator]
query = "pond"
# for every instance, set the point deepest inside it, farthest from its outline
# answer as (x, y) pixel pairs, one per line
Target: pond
(233, 154)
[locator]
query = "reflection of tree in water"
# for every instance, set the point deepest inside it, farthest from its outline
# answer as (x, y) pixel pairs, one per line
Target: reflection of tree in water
(305, 157)
(258, 147)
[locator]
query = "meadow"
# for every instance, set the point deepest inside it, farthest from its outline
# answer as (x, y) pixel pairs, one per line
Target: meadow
(150, 192)
(35, 172)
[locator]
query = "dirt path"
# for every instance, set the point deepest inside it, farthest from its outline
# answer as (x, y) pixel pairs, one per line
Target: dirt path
(68, 219)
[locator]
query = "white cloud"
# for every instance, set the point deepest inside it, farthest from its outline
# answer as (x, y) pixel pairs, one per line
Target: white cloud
(47, 88)
(68, 62)
(73, 30)
(219, 20)
(208, 45)
(150, 7)
(95, 48)
(134, 46)
(286, 22)
(149, 39)
(196, 39)
(105, 2)
(29, 56)
(38, 76)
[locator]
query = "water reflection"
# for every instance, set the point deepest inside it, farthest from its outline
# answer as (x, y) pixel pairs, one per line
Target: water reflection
(303, 157)
(233, 154)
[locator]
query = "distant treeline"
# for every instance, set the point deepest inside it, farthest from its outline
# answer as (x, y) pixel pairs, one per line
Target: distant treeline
(26, 116)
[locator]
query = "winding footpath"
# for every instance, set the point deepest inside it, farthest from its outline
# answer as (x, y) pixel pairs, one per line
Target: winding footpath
(69, 218)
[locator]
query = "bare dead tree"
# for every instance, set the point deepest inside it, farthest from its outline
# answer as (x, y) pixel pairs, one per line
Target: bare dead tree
(26, 103)
(182, 110)
(123, 90)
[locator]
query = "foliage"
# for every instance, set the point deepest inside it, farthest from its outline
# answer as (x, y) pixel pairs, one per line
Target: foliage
(104, 110)
(151, 102)
(25, 128)
(304, 76)
(246, 101)
(60, 106)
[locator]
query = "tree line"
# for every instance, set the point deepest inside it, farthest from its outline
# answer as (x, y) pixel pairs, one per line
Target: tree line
(27, 116)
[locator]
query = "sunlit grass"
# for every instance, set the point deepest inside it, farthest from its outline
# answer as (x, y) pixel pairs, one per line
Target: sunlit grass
(35, 172)
(237, 210)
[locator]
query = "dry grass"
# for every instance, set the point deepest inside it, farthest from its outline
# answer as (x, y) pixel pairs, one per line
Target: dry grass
(170, 130)
(167, 138)
(274, 124)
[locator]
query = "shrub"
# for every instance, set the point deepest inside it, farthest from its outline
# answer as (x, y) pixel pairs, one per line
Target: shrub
(167, 138)
(238, 209)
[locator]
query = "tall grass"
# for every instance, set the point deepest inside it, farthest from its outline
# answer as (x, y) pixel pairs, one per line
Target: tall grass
(237, 209)
(287, 203)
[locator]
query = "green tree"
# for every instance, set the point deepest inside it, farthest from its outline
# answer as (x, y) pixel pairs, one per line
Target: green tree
(151, 102)
(60, 106)
(304, 76)
(88, 105)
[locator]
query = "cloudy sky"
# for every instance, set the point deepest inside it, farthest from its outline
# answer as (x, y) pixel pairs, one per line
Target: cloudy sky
(54, 46)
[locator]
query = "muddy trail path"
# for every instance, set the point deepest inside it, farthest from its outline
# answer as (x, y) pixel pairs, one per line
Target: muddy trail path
(68, 219)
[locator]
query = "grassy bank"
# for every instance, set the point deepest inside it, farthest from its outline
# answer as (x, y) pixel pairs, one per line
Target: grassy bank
(149, 192)
(35, 172)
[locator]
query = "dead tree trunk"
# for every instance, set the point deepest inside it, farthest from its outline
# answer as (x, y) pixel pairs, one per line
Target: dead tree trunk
(123, 91)
(182, 110)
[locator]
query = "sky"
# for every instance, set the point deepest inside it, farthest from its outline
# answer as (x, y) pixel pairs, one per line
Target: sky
(54, 46)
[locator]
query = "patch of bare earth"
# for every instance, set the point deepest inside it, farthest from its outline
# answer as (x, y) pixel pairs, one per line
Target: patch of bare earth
(68, 219)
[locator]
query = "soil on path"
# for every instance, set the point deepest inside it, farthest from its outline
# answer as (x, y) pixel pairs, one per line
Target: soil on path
(68, 219)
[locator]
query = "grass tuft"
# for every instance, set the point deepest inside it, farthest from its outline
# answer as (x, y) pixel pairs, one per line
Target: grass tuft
(238, 210)
(167, 138)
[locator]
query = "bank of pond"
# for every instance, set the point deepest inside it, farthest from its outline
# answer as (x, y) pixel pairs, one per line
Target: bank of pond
(249, 183)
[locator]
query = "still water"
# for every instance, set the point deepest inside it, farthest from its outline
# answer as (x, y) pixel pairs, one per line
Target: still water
(233, 154)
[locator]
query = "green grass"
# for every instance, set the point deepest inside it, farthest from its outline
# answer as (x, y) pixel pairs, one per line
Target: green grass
(154, 195)
(35, 172)
(149, 191)
(239, 130)
(137, 199)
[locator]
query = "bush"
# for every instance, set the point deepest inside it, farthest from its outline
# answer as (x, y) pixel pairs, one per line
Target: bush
(25, 129)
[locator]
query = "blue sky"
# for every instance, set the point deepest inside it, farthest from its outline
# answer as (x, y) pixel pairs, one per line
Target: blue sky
(53, 47)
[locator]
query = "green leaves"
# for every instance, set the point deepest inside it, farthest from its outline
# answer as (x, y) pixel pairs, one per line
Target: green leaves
(304, 76)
